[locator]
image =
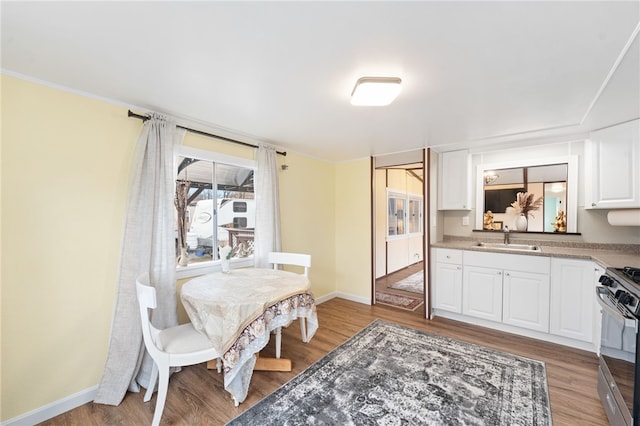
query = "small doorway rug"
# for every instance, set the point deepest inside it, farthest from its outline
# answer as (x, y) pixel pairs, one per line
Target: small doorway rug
(394, 375)
(413, 283)
(409, 303)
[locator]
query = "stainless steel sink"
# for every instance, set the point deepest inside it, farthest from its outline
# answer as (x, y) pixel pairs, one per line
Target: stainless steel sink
(501, 246)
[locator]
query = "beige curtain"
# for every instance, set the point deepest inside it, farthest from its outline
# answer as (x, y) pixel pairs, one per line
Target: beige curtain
(267, 233)
(148, 246)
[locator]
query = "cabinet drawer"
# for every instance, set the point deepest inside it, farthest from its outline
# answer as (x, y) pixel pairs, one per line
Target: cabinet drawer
(513, 262)
(448, 256)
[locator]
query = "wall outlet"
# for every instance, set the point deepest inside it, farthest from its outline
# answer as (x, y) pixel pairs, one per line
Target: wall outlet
(465, 220)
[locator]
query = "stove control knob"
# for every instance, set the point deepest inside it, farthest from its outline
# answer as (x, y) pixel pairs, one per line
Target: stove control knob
(605, 280)
(625, 298)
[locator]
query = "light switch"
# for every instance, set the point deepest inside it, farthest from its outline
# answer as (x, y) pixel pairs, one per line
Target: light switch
(465, 220)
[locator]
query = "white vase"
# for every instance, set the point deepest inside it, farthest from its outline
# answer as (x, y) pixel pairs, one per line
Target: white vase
(521, 223)
(183, 259)
(224, 265)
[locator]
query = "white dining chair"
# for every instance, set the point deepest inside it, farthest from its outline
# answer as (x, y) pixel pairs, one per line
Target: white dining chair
(278, 259)
(172, 347)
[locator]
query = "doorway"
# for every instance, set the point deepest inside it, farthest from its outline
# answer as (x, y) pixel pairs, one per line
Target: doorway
(398, 255)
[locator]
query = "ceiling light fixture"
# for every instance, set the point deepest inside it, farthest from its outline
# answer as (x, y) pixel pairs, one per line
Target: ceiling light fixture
(375, 91)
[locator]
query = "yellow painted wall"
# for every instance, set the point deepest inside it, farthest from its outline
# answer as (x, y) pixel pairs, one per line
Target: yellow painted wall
(307, 216)
(353, 228)
(65, 170)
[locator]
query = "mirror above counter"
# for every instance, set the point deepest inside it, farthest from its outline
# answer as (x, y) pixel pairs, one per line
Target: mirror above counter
(528, 196)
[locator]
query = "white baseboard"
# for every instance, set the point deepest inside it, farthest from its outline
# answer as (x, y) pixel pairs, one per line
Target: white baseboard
(53, 409)
(342, 295)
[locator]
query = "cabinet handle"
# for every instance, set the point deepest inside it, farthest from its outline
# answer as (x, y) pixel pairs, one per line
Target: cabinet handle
(593, 204)
(507, 274)
(499, 273)
(459, 268)
(448, 257)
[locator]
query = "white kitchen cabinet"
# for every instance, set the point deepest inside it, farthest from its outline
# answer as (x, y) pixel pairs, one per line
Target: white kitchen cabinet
(508, 288)
(612, 167)
(526, 300)
(482, 293)
(572, 298)
(598, 271)
(454, 180)
(547, 298)
(448, 280)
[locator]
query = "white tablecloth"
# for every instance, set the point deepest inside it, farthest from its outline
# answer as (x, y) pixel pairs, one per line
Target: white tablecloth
(237, 311)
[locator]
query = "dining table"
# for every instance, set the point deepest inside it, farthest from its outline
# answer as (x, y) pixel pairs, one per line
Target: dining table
(238, 310)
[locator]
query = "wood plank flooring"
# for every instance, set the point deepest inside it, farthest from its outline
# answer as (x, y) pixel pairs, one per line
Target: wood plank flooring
(196, 395)
(383, 283)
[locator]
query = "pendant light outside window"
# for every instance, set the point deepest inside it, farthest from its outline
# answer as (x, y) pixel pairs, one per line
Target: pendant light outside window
(375, 91)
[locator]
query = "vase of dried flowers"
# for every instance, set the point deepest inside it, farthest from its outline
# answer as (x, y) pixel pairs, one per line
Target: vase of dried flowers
(523, 207)
(522, 223)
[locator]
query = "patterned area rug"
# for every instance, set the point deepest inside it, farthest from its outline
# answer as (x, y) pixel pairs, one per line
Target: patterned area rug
(413, 283)
(409, 303)
(388, 374)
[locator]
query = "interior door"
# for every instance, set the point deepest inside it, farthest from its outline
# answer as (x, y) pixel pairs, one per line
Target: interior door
(398, 243)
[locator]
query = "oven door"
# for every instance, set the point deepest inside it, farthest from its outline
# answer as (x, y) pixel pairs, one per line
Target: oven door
(616, 380)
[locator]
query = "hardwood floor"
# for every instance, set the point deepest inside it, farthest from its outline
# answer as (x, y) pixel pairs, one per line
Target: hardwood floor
(196, 395)
(383, 283)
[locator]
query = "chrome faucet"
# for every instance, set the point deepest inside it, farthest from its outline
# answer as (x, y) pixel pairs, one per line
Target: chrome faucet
(506, 235)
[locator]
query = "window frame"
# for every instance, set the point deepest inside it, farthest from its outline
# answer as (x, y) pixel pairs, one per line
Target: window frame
(407, 198)
(201, 268)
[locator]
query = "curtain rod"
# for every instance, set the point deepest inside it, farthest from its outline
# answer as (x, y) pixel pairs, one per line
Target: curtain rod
(200, 132)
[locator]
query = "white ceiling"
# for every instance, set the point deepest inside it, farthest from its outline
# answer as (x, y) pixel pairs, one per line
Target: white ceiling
(474, 73)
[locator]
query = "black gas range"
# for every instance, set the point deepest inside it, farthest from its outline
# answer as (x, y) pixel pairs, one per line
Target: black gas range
(619, 375)
(627, 286)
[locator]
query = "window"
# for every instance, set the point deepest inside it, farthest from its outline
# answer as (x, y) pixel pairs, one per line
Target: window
(215, 205)
(553, 179)
(395, 217)
(415, 215)
(404, 214)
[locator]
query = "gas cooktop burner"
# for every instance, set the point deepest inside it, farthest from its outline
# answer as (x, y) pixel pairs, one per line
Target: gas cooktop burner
(632, 273)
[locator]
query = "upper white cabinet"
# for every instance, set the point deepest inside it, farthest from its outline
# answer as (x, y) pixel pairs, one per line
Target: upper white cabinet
(612, 167)
(454, 180)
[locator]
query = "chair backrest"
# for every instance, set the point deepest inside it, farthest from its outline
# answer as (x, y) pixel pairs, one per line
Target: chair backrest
(297, 259)
(147, 300)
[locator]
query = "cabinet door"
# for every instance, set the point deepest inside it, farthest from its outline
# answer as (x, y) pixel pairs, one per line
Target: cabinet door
(572, 298)
(598, 271)
(613, 163)
(448, 287)
(454, 181)
(526, 300)
(482, 293)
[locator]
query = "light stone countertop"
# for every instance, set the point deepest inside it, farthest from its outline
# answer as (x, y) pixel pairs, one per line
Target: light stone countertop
(606, 255)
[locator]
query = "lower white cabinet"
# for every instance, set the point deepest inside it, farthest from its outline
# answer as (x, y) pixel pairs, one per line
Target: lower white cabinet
(511, 297)
(448, 280)
(448, 294)
(538, 296)
(572, 298)
(526, 300)
(482, 293)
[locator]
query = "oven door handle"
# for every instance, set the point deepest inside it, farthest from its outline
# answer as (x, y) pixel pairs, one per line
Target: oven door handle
(628, 321)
